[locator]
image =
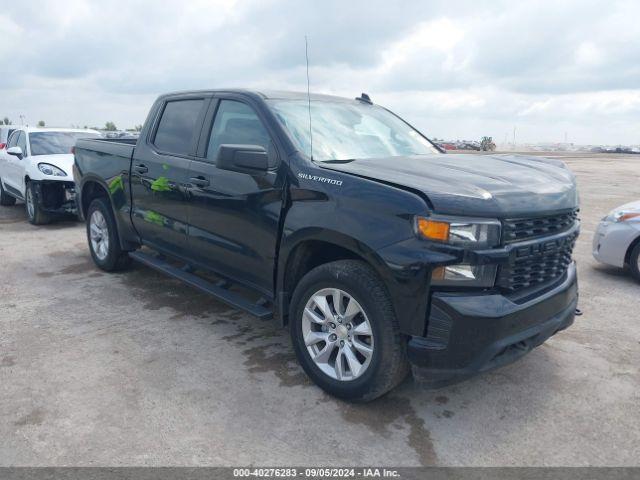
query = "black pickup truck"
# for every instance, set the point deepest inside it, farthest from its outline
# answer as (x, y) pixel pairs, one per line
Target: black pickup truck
(337, 217)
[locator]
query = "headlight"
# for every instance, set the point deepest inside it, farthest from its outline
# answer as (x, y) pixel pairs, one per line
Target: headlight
(622, 215)
(465, 275)
(460, 231)
(52, 170)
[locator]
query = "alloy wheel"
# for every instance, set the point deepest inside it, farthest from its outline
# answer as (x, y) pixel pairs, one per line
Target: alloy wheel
(31, 209)
(337, 334)
(99, 235)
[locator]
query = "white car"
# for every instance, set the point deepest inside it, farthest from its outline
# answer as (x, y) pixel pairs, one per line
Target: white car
(37, 167)
(617, 238)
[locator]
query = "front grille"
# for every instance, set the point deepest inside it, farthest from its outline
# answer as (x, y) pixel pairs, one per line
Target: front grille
(537, 263)
(520, 229)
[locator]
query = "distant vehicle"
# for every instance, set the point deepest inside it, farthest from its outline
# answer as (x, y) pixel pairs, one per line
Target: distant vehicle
(379, 251)
(37, 169)
(470, 146)
(487, 144)
(5, 131)
(617, 238)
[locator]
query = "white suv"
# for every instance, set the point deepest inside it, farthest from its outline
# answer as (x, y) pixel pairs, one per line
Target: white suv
(36, 167)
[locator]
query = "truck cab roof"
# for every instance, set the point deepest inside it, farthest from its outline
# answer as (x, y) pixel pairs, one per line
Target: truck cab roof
(265, 94)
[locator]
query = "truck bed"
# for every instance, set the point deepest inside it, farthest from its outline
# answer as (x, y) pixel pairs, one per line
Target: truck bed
(120, 147)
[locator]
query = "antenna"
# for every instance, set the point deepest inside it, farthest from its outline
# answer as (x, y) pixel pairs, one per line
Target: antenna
(306, 54)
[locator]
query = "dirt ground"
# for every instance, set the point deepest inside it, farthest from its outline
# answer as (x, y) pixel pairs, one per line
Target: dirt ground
(137, 369)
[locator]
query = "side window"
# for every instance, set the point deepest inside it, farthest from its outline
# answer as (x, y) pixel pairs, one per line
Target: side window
(178, 125)
(13, 139)
(237, 123)
(22, 142)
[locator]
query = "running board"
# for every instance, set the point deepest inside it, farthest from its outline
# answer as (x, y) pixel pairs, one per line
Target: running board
(220, 292)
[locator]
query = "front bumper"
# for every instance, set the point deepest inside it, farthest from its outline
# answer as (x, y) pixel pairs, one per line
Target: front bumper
(611, 241)
(472, 333)
(56, 196)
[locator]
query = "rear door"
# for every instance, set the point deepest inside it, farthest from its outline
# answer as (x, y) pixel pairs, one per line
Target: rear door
(160, 173)
(234, 216)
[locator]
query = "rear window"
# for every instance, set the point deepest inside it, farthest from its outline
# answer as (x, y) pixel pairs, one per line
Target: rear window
(55, 143)
(177, 126)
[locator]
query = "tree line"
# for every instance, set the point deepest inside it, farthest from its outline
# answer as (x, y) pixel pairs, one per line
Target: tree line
(108, 126)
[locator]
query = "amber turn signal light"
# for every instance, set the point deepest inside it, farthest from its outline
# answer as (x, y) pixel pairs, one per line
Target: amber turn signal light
(432, 229)
(629, 216)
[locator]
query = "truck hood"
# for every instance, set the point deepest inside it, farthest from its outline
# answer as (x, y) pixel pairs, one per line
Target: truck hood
(483, 185)
(63, 161)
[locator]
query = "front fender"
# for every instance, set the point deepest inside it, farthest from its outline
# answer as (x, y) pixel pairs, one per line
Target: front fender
(32, 173)
(366, 218)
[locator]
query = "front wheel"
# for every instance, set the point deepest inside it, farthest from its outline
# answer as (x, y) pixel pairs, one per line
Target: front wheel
(35, 212)
(102, 235)
(345, 332)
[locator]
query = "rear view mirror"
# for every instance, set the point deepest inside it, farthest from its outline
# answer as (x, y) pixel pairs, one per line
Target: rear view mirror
(15, 151)
(242, 158)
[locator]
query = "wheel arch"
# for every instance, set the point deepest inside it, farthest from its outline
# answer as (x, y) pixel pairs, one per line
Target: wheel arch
(632, 245)
(93, 187)
(311, 249)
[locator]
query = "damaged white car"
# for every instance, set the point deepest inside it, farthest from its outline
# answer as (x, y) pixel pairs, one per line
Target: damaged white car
(36, 167)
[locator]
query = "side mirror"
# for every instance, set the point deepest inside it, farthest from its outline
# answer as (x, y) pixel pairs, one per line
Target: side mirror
(16, 152)
(242, 158)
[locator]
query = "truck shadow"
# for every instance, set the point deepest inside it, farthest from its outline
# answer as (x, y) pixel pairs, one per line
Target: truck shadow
(410, 410)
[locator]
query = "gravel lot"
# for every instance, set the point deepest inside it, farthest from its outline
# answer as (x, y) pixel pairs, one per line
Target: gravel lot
(137, 369)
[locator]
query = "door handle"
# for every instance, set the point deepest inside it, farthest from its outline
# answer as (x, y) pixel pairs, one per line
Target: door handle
(199, 181)
(141, 168)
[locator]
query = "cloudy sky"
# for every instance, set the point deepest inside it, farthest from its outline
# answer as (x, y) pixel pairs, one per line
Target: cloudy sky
(455, 69)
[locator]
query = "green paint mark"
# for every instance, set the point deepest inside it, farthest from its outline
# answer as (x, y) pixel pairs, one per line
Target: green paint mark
(154, 217)
(161, 184)
(115, 185)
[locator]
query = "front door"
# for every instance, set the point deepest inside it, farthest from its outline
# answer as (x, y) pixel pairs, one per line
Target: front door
(14, 179)
(160, 173)
(233, 216)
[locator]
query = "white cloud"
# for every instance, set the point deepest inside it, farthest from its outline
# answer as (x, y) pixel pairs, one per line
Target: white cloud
(455, 69)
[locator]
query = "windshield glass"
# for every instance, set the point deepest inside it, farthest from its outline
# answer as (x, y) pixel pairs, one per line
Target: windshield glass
(53, 143)
(347, 130)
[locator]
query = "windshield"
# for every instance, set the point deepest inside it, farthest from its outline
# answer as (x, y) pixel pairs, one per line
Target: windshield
(53, 143)
(347, 130)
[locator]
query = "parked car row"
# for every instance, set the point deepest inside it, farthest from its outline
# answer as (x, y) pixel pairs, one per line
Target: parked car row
(380, 253)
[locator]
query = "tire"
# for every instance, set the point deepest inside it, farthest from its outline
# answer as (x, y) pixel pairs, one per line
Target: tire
(386, 364)
(6, 200)
(102, 236)
(35, 213)
(634, 262)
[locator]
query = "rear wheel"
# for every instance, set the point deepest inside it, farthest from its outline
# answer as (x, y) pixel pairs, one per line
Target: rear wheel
(6, 200)
(345, 333)
(634, 262)
(35, 213)
(102, 235)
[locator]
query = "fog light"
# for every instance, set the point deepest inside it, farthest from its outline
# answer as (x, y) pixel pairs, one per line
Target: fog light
(464, 275)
